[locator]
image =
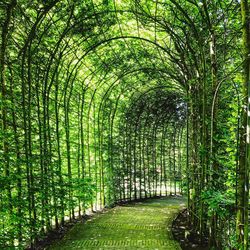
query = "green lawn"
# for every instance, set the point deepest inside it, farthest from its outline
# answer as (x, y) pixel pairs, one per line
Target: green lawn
(139, 225)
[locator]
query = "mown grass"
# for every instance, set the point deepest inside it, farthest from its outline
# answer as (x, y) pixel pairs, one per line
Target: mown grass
(138, 225)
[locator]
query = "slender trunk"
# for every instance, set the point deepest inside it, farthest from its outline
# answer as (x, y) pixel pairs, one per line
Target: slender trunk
(243, 174)
(83, 164)
(4, 108)
(18, 160)
(174, 159)
(58, 140)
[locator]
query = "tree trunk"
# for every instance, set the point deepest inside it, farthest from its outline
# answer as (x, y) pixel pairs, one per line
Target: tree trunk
(243, 178)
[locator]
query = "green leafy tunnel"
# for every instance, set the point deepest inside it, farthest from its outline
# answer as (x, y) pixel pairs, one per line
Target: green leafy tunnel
(113, 100)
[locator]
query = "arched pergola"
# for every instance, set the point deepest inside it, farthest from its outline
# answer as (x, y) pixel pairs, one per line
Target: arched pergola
(111, 101)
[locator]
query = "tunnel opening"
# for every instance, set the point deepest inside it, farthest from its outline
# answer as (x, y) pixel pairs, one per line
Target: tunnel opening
(152, 148)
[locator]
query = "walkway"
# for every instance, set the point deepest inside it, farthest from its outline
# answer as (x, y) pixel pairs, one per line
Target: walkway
(140, 225)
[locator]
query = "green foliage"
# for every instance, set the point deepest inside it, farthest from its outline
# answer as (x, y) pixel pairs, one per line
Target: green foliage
(218, 203)
(104, 101)
(84, 190)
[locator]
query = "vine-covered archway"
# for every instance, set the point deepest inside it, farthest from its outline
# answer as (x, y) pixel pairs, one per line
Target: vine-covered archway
(109, 101)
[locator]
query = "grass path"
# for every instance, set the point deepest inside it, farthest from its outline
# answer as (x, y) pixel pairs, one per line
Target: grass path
(138, 225)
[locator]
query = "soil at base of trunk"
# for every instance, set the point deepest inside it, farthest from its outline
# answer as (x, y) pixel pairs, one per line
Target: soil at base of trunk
(185, 235)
